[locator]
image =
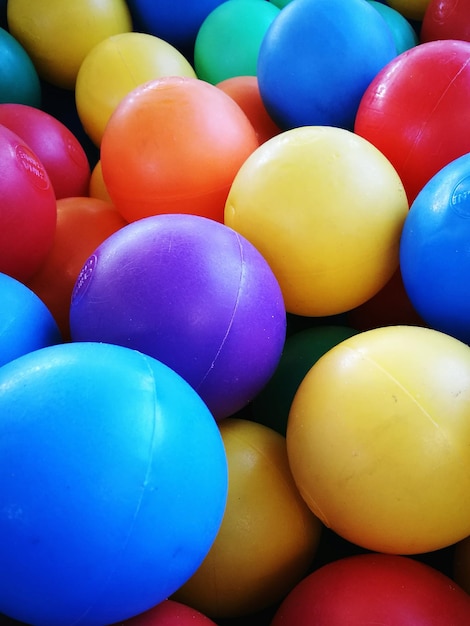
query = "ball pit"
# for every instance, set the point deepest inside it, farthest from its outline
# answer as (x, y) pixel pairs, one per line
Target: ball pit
(114, 484)
(375, 589)
(199, 139)
(192, 293)
(308, 200)
(436, 100)
(26, 324)
(116, 66)
(60, 152)
(83, 223)
(434, 127)
(317, 59)
(229, 39)
(268, 537)
(28, 210)
(376, 439)
(434, 256)
(58, 35)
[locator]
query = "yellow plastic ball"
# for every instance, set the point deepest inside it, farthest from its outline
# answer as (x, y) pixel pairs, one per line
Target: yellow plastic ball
(116, 66)
(326, 210)
(378, 439)
(97, 187)
(411, 9)
(268, 537)
(58, 34)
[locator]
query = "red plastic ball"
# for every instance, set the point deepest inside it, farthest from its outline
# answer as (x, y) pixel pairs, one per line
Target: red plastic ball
(174, 145)
(82, 225)
(416, 110)
(54, 144)
(27, 209)
(170, 613)
(375, 589)
(446, 19)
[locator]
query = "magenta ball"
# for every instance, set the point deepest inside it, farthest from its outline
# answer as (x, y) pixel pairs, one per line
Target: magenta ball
(192, 293)
(60, 152)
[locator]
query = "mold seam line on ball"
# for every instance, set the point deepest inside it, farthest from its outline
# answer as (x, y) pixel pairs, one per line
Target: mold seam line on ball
(232, 317)
(138, 504)
(441, 97)
(397, 382)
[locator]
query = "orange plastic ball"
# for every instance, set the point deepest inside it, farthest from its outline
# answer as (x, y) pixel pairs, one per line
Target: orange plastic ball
(82, 225)
(174, 145)
(378, 437)
(268, 537)
(245, 91)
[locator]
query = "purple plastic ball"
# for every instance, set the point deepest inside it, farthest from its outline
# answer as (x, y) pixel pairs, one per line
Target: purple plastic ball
(192, 293)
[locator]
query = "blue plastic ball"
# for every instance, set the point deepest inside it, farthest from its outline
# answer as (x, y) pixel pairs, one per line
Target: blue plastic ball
(19, 80)
(435, 250)
(26, 324)
(317, 59)
(113, 484)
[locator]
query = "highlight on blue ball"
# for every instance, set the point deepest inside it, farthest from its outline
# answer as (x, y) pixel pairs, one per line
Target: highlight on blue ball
(318, 58)
(26, 324)
(435, 250)
(113, 488)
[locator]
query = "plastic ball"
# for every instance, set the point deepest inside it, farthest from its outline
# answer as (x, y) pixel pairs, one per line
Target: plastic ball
(19, 80)
(26, 324)
(318, 58)
(268, 536)
(375, 589)
(326, 209)
(170, 613)
(377, 438)
(192, 293)
(229, 39)
(97, 187)
(58, 35)
(28, 208)
(176, 22)
(404, 35)
(434, 254)
(446, 19)
(83, 223)
(301, 351)
(245, 91)
(54, 144)
(174, 145)
(415, 110)
(114, 484)
(411, 9)
(116, 66)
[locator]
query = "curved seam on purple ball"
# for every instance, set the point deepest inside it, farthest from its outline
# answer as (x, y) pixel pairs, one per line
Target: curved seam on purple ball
(139, 502)
(232, 317)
